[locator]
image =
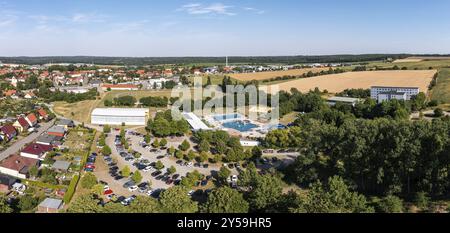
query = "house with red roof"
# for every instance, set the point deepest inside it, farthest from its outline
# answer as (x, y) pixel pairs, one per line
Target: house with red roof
(8, 132)
(17, 166)
(36, 151)
(31, 119)
(21, 124)
(42, 114)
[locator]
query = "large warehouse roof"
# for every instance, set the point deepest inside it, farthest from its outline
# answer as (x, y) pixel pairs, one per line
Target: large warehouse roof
(195, 122)
(120, 112)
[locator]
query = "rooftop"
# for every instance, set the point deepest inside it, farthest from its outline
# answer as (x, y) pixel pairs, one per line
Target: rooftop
(51, 203)
(120, 112)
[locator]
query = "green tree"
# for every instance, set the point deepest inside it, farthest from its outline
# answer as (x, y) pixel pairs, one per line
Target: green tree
(390, 204)
(203, 146)
(163, 142)
(171, 170)
(88, 180)
(225, 200)
(136, 177)
(159, 165)
(4, 206)
(421, 200)
(86, 203)
(176, 200)
(335, 197)
(126, 172)
(223, 174)
(144, 204)
(106, 150)
(184, 145)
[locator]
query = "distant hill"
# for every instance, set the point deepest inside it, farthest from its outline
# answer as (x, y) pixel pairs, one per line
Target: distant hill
(138, 61)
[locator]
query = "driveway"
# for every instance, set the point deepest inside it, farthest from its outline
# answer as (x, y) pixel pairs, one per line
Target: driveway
(17, 146)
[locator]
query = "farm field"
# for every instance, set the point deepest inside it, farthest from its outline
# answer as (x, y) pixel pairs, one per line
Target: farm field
(336, 83)
(441, 92)
(273, 74)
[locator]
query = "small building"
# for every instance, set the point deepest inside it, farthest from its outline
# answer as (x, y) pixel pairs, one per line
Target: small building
(21, 124)
(17, 166)
(119, 116)
(345, 100)
(6, 183)
(50, 205)
(42, 114)
(57, 130)
(50, 140)
(62, 166)
(36, 151)
(8, 132)
(66, 123)
(31, 119)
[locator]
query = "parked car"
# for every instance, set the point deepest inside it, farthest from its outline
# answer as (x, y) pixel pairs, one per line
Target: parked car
(133, 188)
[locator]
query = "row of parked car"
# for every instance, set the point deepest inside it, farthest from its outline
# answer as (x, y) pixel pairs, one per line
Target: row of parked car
(90, 162)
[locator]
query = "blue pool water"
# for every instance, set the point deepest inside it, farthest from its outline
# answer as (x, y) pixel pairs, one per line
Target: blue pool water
(240, 126)
(226, 117)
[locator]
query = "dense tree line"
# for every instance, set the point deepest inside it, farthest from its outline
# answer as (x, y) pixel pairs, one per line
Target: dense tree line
(58, 95)
(164, 125)
(382, 156)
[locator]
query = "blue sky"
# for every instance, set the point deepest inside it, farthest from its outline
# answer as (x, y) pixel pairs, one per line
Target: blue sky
(222, 27)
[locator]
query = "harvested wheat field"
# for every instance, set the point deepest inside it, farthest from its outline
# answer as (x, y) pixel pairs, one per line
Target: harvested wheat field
(336, 83)
(273, 74)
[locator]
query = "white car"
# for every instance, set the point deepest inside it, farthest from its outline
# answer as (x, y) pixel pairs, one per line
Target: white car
(133, 188)
(147, 169)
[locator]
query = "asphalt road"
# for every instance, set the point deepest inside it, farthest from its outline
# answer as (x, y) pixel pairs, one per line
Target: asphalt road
(17, 146)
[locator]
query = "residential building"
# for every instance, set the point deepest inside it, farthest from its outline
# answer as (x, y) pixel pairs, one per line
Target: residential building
(393, 92)
(6, 183)
(17, 166)
(119, 116)
(21, 124)
(56, 130)
(31, 119)
(36, 151)
(8, 132)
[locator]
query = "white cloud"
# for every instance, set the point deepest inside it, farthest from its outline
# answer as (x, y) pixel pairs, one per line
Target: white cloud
(255, 10)
(201, 9)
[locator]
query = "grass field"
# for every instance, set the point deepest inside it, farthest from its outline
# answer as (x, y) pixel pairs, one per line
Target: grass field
(80, 111)
(441, 92)
(273, 74)
(336, 83)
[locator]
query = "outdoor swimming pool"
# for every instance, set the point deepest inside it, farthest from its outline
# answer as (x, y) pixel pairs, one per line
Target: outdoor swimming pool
(240, 126)
(227, 117)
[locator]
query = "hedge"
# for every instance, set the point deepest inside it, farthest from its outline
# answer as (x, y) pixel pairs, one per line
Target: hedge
(71, 189)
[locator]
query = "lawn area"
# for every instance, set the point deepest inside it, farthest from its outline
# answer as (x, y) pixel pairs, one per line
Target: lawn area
(441, 92)
(289, 118)
(80, 111)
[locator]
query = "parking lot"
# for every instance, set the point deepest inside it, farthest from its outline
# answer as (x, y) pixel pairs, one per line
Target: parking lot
(154, 181)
